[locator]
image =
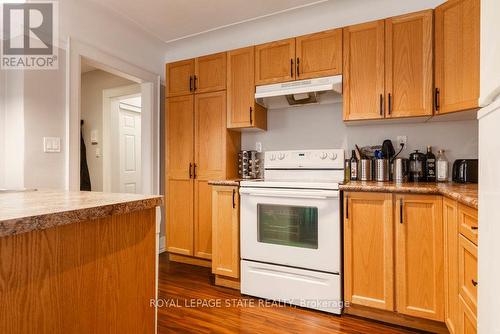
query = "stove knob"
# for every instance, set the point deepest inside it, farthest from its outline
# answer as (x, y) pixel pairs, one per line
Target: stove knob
(322, 155)
(281, 156)
(332, 156)
(273, 157)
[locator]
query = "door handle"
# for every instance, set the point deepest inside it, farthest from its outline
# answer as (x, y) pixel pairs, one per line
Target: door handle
(190, 83)
(194, 171)
(195, 79)
(401, 211)
(291, 67)
(234, 202)
(436, 99)
(251, 118)
(389, 102)
(190, 170)
(298, 67)
(381, 104)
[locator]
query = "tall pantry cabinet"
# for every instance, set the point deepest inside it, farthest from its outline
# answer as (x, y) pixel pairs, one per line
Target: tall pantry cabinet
(199, 148)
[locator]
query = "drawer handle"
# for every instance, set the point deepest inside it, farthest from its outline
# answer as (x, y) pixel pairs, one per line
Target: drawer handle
(473, 228)
(474, 282)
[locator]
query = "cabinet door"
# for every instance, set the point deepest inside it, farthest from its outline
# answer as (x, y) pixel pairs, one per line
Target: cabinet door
(180, 137)
(363, 73)
(467, 272)
(226, 232)
(210, 73)
(450, 222)
(275, 62)
(467, 222)
(202, 219)
(242, 111)
(408, 65)
(468, 320)
(419, 256)
(368, 250)
(319, 55)
(457, 55)
(180, 77)
(180, 216)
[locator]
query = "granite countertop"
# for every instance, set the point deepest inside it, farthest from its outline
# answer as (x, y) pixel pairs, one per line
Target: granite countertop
(22, 212)
(230, 182)
(463, 193)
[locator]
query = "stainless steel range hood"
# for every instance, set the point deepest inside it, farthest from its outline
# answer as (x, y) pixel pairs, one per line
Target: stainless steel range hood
(301, 92)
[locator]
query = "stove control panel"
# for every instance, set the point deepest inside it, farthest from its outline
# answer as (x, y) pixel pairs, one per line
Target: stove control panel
(313, 159)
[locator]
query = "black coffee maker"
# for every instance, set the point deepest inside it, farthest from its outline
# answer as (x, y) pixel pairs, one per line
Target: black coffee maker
(417, 167)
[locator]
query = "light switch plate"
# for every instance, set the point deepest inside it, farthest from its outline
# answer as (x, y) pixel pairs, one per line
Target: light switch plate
(51, 144)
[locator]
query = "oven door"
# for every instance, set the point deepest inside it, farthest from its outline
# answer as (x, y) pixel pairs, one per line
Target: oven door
(292, 227)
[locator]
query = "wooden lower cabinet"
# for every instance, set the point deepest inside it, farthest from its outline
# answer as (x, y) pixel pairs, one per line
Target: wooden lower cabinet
(180, 217)
(368, 250)
(467, 272)
(226, 232)
(450, 222)
(419, 256)
(467, 318)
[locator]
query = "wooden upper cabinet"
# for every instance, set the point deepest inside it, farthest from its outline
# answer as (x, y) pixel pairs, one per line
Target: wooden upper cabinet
(275, 62)
(319, 55)
(408, 65)
(180, 137)
(419, 256)
(457, 55)
(226, 231)
(210, 73)
(363, 72)
(180, 76)
(242, 110)
(368, 250)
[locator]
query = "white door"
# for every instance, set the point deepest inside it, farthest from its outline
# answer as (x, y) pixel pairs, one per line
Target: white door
(130, 151)
(292, 227)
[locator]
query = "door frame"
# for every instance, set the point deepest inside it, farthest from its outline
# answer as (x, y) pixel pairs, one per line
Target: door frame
(150, 122)
(108, 97)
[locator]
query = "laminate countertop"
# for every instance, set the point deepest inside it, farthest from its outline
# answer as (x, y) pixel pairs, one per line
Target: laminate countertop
(466, 194)
(22, 212)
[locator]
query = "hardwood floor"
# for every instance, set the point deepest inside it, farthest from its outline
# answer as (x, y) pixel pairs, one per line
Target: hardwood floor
(181, 286)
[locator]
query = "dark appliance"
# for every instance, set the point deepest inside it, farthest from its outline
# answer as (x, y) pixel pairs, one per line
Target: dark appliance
(417, 167)
(465, 170)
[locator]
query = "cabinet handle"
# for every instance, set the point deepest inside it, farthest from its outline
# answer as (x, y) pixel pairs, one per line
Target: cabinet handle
(436, 99)
(251, 118)
(194, 171)
(298, 68)
(234, 202)
(190, 170)
(401, 211)
(473, 228)
(346, 207)
(381, 104)
(389, 102)
(474, 282)
(195, 79)
(190, 83)
(291, 67)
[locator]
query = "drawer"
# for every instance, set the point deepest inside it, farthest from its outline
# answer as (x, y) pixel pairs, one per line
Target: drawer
(467, 320)
(467, 272)
(467, 222)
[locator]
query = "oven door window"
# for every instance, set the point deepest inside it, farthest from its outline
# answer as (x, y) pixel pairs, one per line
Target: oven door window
(294, 226)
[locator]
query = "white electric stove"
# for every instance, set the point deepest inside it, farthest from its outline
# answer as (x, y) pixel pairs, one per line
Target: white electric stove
(290, 229)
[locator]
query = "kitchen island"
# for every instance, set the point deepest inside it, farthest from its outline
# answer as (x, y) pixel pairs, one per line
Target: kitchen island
(77, 262)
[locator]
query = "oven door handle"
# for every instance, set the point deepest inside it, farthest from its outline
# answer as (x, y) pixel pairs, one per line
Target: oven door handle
(291, 194)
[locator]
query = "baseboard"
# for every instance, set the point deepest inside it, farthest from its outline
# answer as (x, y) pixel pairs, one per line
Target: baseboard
(190, 260)
(397, 319)
(227, 282)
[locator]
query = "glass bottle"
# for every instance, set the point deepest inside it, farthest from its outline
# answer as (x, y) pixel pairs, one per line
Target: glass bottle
(442, 167)
(430, 165)
(354, 166)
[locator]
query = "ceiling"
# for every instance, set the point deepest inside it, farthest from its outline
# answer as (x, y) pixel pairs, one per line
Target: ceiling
(171, 20)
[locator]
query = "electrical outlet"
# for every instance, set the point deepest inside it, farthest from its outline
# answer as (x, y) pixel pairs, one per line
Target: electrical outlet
(258, 146)
(402, 140)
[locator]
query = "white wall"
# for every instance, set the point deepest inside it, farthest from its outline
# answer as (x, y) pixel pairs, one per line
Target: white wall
(321, 126)
(490, 51)
(327, 15)
(93, 83)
